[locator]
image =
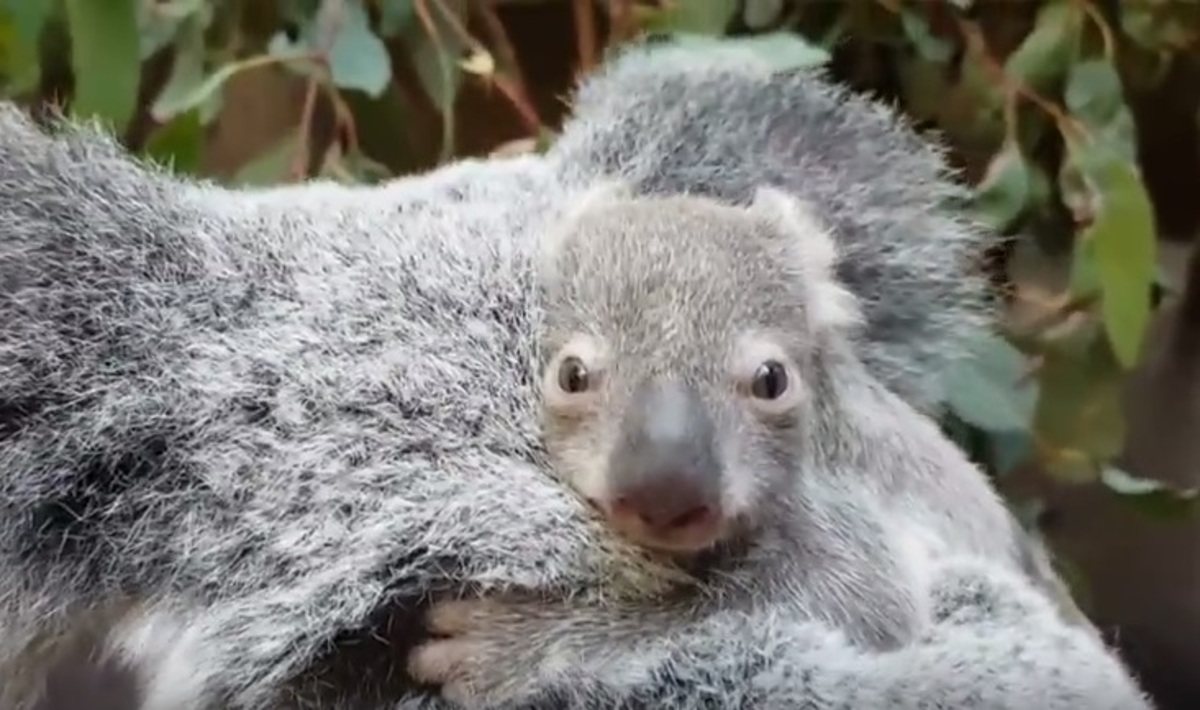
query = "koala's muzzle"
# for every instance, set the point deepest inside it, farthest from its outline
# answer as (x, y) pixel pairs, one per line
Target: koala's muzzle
(664, 474)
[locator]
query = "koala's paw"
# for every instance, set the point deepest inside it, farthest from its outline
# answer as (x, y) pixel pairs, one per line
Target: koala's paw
(484, 652)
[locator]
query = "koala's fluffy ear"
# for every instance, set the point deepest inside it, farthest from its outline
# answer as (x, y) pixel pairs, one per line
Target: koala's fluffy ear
(831, 305)
(605, 192)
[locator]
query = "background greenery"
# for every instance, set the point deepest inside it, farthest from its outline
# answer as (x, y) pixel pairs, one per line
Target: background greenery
(1060, 112)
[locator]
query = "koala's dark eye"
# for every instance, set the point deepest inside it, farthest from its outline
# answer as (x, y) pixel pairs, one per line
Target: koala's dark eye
(572, 375)
(770, 380)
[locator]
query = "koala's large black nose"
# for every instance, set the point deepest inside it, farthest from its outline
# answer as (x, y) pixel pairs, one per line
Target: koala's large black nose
(664, 473)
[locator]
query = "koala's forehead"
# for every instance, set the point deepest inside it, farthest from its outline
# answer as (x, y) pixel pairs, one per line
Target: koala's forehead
(676, 272)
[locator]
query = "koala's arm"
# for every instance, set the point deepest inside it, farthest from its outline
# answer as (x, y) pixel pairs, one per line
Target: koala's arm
(994, 644)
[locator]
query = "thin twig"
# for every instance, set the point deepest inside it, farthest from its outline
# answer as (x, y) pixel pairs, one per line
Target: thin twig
(456, 26)
(330, 17)
(1106, 34)
(622, 22)
(426, 19)
(499, 37)
(585, 35)
(526, 112)
(514, 88)
(977, 43)
(300, 160)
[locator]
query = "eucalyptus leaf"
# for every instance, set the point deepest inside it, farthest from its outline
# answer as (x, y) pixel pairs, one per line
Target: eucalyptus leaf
(178, 143)
(187, 75)
(1043, 57)
(1009, 449)
(1093, 91)
(1079, 418)
(1006, 188)
(105, 59)
(1123, 238)
(759, 14)
(928, 45)
(708, 17)
(436, 60)
(395, 16)
(358, 59)
(189, 94)
(986, 391)
(27, 19)
(160, 23)
(271, 166)
(779, 50)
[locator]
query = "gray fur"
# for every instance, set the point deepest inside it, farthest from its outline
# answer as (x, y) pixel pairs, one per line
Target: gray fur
(236, 427)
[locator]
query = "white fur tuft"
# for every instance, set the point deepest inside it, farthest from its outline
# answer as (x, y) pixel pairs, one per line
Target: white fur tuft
(831, 304)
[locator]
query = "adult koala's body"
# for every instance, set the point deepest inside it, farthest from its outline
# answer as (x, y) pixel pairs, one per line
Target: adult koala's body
(241, 433)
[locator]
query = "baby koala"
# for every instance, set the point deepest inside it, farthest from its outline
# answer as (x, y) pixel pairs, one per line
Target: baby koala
(679, 338)
(685, 391)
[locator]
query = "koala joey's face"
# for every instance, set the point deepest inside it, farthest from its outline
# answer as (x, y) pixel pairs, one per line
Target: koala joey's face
(678, 353)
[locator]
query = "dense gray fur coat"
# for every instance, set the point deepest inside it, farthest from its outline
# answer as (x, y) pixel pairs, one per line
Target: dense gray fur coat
(243, 432)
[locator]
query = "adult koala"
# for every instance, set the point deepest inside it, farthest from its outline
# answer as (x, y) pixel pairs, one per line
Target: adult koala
(244, 435)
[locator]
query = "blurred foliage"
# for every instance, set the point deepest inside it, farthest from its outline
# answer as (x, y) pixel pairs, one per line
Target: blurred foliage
(1033, 96)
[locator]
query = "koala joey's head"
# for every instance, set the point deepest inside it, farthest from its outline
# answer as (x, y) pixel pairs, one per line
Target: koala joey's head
(680, 339)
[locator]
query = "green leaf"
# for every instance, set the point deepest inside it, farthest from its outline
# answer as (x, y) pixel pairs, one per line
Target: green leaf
(1009, 449)
(986, 391)
(1162, 27)
(437, 67)
(395, 16)
(105, 59)
(928, 45)
(978, 99)
(295, 56)
(706, 17)
(1043, 57)
(159, 23)
(759, 14)
(358, 59)
(1093, 92)
(186, 94)
(1123, 239)
(178, 143)
(1151, 497)
(364, 169)
(780, 50)
(1084, 280)
(27, 18)
(1005, 189)
(924, 87)
(1079, 415)
(186, 87)
(1094, 97)
(272, 165)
